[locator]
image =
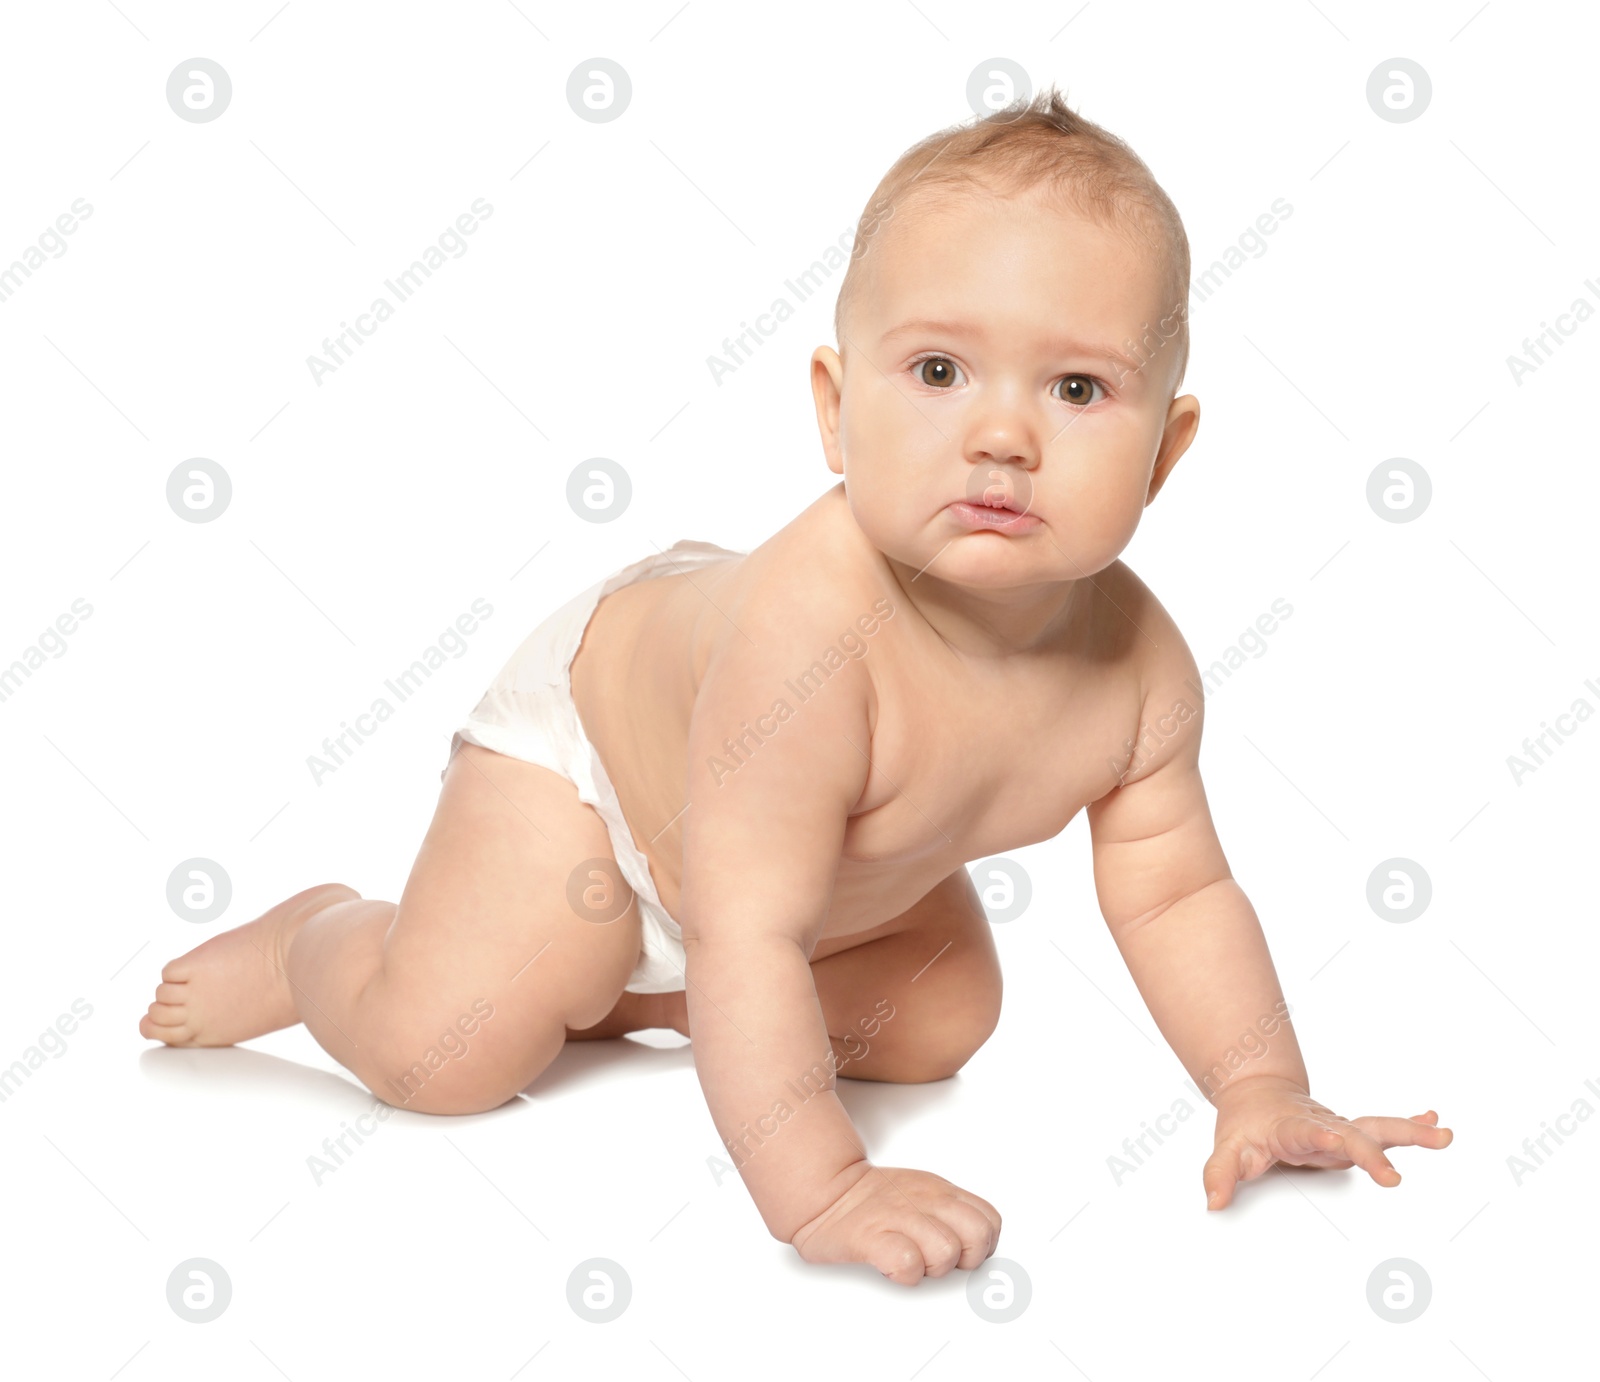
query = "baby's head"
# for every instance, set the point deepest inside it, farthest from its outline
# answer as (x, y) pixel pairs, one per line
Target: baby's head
(1013, 328)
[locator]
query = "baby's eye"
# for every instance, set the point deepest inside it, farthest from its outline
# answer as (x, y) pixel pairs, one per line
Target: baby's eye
(936, 371)
(1080, 389)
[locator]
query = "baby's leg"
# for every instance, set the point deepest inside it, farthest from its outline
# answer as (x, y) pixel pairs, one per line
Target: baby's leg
(935, 967)
(456, 997)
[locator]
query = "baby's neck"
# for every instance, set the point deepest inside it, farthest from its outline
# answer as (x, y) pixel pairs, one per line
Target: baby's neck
(985, 623)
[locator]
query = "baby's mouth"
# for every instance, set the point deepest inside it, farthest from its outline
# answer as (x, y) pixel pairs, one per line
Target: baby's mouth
(1003, 516)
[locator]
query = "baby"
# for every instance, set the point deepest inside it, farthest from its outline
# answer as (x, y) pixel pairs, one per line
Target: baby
(734, 793)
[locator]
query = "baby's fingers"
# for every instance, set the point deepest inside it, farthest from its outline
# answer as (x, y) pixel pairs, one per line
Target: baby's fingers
(1406, 1132)
(897, 1257)
(989, 1213)
(1222, 1172)
(976, 1223)
(1364, 1152)
(1303, 1136)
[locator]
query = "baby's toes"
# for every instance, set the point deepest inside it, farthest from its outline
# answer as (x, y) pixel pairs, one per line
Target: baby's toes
(164, 1023)
(170, 1008)
(179, 970)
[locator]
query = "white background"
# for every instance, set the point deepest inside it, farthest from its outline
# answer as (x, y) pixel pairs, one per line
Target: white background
(368, 512)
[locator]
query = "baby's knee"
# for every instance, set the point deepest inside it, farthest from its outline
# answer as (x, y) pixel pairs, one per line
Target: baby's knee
(938, 1047)
(956, 1037)
(432, 1069)
(448, 1096)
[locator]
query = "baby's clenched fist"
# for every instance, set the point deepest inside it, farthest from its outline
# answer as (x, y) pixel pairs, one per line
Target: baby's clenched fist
(908, 1224)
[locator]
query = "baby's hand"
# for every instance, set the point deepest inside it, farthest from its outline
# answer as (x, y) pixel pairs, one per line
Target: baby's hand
(1265, 1120)
(907, 1224)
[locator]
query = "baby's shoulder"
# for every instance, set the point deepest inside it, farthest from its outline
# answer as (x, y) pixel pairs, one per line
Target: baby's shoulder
(1131, 628)
(809, 575)
(795, 613)
(1144, 636)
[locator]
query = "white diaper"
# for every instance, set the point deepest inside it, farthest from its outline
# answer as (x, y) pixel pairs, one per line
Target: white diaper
(528, 713)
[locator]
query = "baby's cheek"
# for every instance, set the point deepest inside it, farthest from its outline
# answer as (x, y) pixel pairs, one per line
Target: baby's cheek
(1103, 513)
(877, 489)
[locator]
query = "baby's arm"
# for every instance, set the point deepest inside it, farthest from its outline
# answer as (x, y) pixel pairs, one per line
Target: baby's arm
(762, 841)
(1194, 946)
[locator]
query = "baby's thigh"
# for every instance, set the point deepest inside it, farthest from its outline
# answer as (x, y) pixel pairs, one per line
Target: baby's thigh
(515, 903)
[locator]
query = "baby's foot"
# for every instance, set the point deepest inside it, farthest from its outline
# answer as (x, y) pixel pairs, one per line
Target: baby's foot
(233, 986)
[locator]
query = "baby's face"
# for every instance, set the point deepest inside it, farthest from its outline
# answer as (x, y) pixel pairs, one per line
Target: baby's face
(1009, 352)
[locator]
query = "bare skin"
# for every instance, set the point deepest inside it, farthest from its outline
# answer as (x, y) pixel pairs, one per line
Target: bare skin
(885, 690)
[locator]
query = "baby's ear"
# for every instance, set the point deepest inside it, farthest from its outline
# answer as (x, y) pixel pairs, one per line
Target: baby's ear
(1183, 421)
(827, 359)
(827, 386)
